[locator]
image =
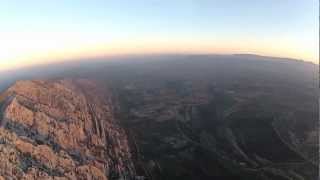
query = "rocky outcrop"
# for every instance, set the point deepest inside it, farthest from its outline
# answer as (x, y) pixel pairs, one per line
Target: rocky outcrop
(61, 129)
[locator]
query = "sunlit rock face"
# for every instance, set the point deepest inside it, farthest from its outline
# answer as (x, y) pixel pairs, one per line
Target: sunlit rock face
(61, 129)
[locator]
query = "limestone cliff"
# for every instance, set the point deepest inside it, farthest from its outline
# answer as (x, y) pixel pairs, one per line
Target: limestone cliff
(61, 129)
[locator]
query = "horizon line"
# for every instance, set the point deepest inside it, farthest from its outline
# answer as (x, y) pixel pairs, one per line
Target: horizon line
(60, 61)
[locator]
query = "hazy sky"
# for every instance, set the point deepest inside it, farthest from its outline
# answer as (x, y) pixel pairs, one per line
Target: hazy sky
(38, 31)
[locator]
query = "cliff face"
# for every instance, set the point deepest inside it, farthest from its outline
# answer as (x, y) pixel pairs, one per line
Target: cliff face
(61, 129)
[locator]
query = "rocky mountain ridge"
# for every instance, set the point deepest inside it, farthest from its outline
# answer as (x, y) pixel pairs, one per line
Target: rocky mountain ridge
(57, 130)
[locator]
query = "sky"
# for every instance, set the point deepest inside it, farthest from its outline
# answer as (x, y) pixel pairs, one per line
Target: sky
(43, 31)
